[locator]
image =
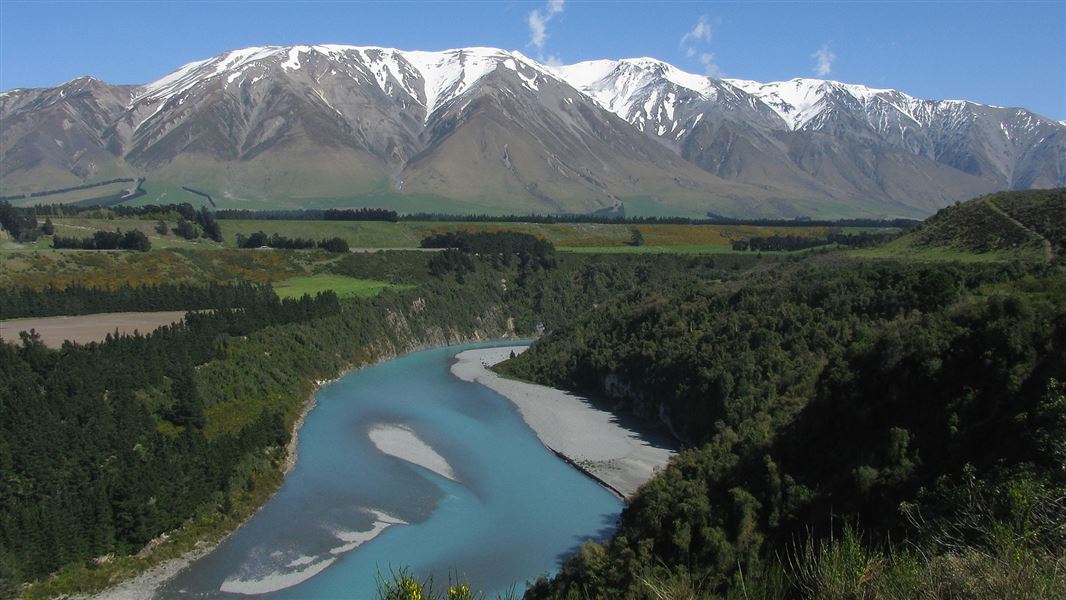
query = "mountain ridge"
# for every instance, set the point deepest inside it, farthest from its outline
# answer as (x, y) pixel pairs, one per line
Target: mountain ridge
(350, 121)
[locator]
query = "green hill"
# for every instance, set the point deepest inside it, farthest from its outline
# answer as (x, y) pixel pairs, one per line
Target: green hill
(1028, 225)
(856, 429)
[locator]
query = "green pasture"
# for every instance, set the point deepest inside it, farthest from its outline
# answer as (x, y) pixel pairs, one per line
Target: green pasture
(345, 287)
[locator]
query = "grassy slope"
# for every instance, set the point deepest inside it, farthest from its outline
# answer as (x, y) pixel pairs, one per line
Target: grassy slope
(997, 227)
(74, 195)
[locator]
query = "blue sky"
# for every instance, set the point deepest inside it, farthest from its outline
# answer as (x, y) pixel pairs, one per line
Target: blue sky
(1005, 53)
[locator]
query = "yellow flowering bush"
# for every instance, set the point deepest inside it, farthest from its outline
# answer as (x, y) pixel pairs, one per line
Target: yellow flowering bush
(459, 592)
(401, 585)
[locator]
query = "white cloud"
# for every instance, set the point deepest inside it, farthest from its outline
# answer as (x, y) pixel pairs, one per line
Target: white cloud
(824, 58)
(700, 33)
(538, 20)
(709, 67)
(554, 62)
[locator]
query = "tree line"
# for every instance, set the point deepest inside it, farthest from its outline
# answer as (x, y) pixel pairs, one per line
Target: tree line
(792, 243)
(491, 242)
(332, 214)
(16, 302)
(19, 222)
(500, 247)
(278, 241)
(106, 240)
(71, 189)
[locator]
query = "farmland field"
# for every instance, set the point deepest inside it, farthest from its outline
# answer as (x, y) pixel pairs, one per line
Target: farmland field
(75, 195)
(112, 269)
(88, 328)
(576, 237)
(408, 234)
(678, 249)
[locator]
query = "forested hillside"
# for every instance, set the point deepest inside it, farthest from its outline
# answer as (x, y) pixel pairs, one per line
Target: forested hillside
(888, 430)
(856, 428)
(110, 445)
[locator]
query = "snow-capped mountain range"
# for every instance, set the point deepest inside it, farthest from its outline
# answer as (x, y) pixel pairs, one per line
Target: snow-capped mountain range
(489, 129)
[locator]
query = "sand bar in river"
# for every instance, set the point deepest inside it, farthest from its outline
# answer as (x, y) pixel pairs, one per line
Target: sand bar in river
(618, 451)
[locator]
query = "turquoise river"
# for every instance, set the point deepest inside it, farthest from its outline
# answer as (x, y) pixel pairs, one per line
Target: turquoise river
(403, 465)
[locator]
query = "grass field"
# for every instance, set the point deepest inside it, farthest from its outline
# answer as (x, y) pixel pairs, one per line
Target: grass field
(408, 234)
(575, 237)
(678, 249)
(345, 287)
(358, 234)
(645, 206)
(156, 192)
(75, 195)
(905, 248)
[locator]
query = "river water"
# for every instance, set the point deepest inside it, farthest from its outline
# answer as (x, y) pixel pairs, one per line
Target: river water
(403, 465)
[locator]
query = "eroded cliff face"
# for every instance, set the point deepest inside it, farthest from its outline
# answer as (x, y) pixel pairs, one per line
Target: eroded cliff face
(410, 331)
(629, 399)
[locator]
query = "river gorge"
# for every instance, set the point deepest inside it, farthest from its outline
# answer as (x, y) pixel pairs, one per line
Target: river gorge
(402, 465)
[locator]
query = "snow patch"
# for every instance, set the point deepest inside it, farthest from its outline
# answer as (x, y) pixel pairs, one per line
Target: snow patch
(293, 62)
(449, 74)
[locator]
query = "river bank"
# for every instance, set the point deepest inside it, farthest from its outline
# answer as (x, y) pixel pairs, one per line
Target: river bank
(146, 584)
(618, 458)
(456, 472)
(619, 453)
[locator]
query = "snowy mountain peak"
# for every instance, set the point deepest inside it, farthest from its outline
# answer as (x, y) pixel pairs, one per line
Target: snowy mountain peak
(429, 79)
(646, 92)
(630, 74)
(800, 101)
(343, 116)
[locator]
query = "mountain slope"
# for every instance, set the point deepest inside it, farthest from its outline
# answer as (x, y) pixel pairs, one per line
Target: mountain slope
(60, 131)
(487, 130)
(845, 141)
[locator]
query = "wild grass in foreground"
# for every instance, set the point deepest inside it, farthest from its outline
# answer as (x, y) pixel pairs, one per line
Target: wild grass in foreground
(402, 585)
